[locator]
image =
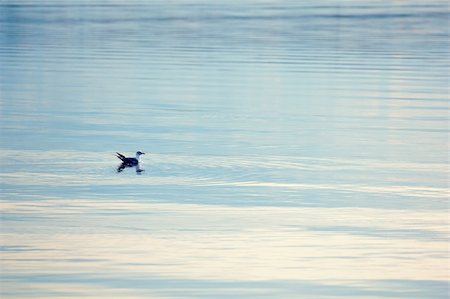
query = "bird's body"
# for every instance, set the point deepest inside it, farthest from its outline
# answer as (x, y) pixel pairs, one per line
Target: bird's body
(130, 161)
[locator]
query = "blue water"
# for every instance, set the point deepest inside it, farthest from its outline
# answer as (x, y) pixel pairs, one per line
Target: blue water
(294, 149)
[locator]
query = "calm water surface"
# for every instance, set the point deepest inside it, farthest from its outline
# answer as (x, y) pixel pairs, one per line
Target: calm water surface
(295, 149)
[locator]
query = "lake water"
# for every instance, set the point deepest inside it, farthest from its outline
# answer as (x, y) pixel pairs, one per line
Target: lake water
(294, 149)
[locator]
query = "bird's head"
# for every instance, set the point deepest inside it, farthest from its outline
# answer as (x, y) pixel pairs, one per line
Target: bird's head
(138, 153)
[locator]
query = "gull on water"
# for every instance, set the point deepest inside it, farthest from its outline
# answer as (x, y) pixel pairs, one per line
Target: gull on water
(130, 162)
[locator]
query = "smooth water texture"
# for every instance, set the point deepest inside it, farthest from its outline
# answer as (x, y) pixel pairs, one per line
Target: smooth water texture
(294, 149)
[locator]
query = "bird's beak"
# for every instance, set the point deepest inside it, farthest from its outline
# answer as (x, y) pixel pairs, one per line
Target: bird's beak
(143, 153)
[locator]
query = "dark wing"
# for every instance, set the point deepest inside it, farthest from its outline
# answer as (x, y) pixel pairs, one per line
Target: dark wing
(120, 156)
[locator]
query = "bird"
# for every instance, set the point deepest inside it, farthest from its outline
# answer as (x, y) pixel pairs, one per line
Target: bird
(130, 161)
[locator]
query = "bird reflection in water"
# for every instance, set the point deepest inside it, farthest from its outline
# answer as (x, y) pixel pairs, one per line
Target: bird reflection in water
(123, 165)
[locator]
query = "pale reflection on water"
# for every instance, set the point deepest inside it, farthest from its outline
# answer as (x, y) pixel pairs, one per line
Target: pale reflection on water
(294, 149)
(88, 239)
